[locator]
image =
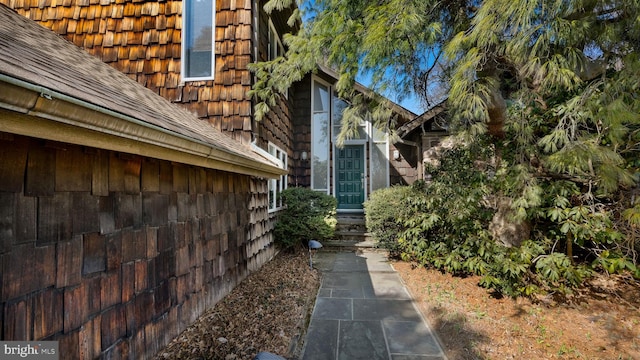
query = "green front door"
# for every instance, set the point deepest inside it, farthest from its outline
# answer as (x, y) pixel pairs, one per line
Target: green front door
(350, 177)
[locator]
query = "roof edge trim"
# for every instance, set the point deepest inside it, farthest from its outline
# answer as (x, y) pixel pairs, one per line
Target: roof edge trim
(125, 133)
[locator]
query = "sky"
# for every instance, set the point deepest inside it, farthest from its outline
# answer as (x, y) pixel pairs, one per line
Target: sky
(410, 102)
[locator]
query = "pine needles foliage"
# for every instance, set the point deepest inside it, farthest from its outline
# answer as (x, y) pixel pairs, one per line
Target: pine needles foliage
(544, 94)
(444, 224)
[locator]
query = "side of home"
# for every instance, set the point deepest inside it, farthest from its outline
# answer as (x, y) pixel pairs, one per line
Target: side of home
(137, 187)
(123, 217)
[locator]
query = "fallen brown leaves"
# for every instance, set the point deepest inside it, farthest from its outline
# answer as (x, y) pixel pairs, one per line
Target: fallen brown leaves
(268, 311)
(602, 321)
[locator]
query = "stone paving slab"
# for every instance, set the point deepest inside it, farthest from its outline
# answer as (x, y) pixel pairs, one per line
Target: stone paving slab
(408, 337)
(333, 309)
(382, 309)
(362, 340)
(322, 340)
(363, 311)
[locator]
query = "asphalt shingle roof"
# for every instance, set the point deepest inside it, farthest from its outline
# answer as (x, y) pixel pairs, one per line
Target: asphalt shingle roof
(36, 55)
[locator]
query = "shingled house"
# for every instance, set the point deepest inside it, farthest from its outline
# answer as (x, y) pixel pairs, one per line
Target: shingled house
(147, 41)
(150, 175)
(122, 216)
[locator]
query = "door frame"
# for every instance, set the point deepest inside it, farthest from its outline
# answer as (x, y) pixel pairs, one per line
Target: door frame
(365, 169)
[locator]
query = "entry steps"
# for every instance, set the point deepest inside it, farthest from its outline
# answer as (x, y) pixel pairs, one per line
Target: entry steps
(350, 232)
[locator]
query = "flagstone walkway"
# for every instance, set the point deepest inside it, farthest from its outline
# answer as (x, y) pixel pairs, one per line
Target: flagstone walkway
(363, 311)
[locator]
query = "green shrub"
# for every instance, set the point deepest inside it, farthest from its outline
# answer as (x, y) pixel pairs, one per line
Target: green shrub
(308, 214)
(445, 225)
(382, 213)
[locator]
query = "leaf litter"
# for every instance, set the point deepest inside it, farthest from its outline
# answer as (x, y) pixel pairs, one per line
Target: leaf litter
(267, 311)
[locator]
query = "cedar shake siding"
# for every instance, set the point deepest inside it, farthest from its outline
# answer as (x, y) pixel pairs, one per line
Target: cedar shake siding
(143, 40)
(114, 254)
(123, 217)
(276, 127)
(403, 171)
(419, 136)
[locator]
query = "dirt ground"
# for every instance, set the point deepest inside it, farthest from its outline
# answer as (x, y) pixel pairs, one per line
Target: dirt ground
(269, 311)
(601, 322)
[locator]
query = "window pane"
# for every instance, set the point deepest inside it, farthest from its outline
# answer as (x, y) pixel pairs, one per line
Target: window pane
(379, 171)
(320, 151)
(320, 98)
(379, 135)
(276, 48)
(272, 44)
(320, 138)
(198, 39)
(339, 106)
(283, 179)
(272, 203)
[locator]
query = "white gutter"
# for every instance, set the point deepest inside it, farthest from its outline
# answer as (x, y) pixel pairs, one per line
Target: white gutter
(266, 154)
(72, 120)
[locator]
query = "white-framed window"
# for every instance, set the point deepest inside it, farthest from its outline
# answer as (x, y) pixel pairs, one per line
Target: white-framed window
(276, 48)
(198, 37)
(321, 107)
(276, 186)
(379, 169)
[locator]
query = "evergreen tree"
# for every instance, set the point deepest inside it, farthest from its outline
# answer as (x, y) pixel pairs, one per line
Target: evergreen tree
(398, 43)
(556, 85)
(552, 86)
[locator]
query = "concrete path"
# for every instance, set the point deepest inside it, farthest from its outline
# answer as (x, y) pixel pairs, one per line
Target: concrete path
(363, 311)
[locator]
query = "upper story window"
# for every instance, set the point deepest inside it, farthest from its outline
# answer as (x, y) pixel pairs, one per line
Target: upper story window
(339, 106)
(276, 48)
(320, 97)
(198, 26)
(276, 186)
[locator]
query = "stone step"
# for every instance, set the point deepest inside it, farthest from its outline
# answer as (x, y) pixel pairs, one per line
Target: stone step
(352, 229)
(351, 219)
(351, 223)
(351, 238)
(350, 234)
(339, 245)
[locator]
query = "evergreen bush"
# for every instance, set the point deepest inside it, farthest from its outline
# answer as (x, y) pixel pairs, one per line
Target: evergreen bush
(445, 225)
(307, 215)
(382, 211)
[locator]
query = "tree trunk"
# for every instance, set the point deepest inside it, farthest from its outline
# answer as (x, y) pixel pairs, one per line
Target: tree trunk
(504, 229)
(570, 246)
(497, 109)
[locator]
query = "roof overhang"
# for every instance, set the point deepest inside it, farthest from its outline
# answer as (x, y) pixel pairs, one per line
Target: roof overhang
(30, 110)
(429, 115)
(396, 108)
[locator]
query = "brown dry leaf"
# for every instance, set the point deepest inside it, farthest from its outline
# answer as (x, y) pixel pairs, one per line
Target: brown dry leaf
(263, 313)
(602, 322)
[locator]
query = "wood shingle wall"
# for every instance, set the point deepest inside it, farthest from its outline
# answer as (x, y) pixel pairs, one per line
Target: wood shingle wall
(143, 40)
(402, 171)
(115, 254)
(277, 126)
